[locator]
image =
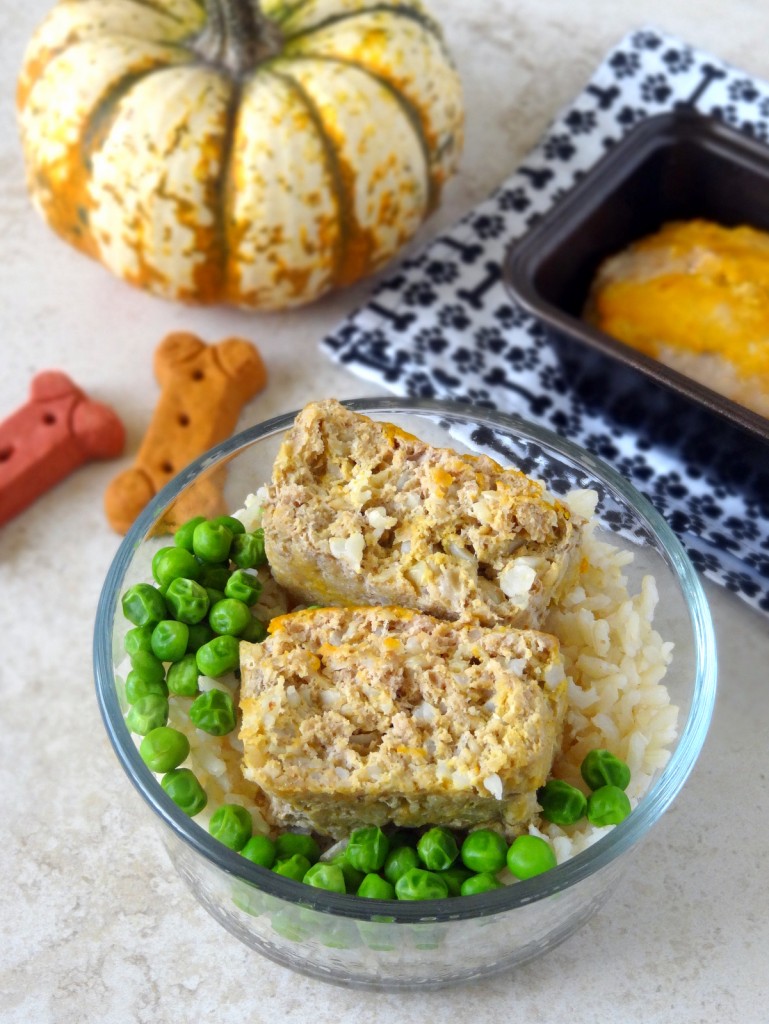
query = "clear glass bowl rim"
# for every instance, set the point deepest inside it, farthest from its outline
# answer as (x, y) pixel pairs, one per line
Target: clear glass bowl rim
(498, 901)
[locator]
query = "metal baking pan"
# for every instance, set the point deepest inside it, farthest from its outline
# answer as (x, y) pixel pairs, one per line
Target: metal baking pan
(672, 166)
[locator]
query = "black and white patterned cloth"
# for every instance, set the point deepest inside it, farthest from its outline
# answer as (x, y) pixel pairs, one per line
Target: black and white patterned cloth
(443, 326)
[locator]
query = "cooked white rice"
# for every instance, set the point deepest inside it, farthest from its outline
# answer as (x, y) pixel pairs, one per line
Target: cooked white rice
(614, 657)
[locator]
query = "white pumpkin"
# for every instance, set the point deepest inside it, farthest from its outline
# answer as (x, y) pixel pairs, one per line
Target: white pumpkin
(260, 154)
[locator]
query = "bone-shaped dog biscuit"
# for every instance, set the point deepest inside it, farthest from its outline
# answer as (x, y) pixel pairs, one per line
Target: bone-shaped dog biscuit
(204, 388)
(55, 432)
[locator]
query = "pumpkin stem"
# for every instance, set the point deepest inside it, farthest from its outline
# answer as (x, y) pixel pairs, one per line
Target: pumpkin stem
(237, 36)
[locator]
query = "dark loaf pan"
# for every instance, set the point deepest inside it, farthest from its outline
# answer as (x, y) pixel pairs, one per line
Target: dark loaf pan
(670, 167)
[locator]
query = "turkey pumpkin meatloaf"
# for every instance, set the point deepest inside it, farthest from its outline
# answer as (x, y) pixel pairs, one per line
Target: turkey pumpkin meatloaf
(375, 716)
(359, 512)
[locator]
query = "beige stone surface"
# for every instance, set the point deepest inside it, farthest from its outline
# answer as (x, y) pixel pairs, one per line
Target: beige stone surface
(94, 924)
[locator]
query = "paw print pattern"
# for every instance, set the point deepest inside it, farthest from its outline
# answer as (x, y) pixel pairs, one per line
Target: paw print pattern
(646, 41)
(625, 64)
(509, 316)
(430, 340)
(560, 147)
(454, 316)
(743, 90)
(490, 339)
(419, 385)
(441, 271)
(580, 122)
(442, 324)
(487, 226)
(513, 199)
(468, 360)
(655, 89)
(419, 293)
(629, 116)
(678, 59)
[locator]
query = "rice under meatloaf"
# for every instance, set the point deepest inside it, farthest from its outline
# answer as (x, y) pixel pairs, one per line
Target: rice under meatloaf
(371, 716)
(359, 512)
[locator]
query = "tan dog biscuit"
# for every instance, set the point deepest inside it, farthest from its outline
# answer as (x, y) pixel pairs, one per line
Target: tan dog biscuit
(204, 388)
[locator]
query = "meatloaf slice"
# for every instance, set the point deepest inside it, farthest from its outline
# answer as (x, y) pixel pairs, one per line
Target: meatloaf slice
(370, 716)
(359, 512)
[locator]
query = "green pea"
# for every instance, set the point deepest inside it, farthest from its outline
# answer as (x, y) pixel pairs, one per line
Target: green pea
(164, 748)
(484, 851)
(367, 849)
(561, 803)
(247, 550)
(229, 617)
(233, 525)
(296, 866)
(182, 678)
(231, 824)
(608, 805)
(187, 600)
(147, 713)
(211, 541)
(374, 887)
(255, 632)
(148, 666)
(288, 924)
(143, 604)
(377, 934)
(418, 884)
(339, 935)
(482, 882)
(213, 712)
(325, 876)
(352, 877)
(454, 878)
(214, 576)
(289, 843)
(529, 856)
(136, 687)
(199, 633)
(259, 850)
(173, 562)
(169, 640)
(602, 768)
(437, 849)
(399, 861)
(183, 536)
(138, 639)
(429, 936)
(185, 790)
(243, 586)
(218, 656)
(248, 898)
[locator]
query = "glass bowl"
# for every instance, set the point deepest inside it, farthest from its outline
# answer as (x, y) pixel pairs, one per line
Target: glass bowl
(400, 945)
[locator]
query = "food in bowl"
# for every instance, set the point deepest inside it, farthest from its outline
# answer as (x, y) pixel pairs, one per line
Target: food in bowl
(386, 716)
(614, 663)
(694, 295)
(361, 512)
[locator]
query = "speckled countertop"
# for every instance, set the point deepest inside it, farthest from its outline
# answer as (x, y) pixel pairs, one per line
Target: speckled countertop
(94, 924)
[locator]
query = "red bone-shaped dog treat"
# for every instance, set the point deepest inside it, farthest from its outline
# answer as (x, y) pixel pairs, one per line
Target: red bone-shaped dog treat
(58, 430)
